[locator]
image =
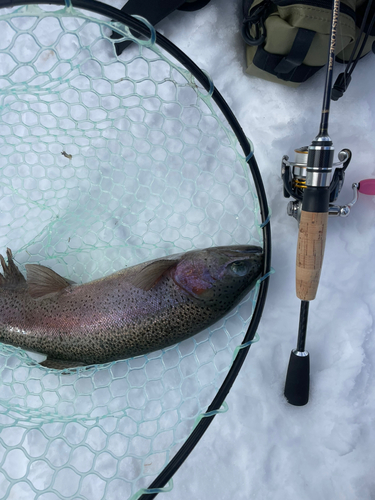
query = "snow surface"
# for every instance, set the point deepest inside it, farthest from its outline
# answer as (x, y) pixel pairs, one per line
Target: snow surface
(263, 448)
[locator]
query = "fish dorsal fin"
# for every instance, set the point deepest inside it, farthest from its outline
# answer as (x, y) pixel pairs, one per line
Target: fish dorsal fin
(42, 280)
(151, 273)
(11, 277)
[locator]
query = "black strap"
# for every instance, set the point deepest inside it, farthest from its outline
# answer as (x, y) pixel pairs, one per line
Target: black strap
(154, 11)
(192, 5)
(268, 62)
(298, 52)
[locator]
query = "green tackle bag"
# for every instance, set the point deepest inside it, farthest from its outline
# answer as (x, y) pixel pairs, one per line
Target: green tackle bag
(288, 39)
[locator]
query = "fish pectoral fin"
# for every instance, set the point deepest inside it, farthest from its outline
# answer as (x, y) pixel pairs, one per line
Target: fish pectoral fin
(41, 280)
(59, 364)
(151, 274)
(11, 277)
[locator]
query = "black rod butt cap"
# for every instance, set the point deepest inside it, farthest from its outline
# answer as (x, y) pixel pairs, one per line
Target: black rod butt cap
(297, 382)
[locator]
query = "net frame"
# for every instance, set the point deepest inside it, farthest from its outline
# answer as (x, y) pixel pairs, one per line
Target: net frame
(205, 81)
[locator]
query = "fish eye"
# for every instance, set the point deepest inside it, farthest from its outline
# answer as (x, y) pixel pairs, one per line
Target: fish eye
(240, 268)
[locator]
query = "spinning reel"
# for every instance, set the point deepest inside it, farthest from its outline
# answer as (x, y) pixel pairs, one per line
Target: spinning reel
(293, 175)
(294, 179)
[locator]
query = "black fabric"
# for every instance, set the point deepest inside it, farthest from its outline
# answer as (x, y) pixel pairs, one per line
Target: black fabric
(192, 5)
(298, 52)
(153, 10)
(268, 62)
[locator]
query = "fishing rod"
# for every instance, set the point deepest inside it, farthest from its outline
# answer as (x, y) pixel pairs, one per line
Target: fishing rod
(313, 218)
(310, 182)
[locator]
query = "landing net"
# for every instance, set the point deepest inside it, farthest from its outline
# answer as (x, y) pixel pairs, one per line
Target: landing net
(106, 162)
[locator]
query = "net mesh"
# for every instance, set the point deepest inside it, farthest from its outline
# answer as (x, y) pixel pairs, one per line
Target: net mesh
(106, 162)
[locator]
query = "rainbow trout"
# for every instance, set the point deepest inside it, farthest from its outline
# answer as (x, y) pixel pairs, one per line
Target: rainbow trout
(134, 311)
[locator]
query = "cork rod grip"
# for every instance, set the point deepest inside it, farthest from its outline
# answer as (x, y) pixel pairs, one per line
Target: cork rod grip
(310, 252)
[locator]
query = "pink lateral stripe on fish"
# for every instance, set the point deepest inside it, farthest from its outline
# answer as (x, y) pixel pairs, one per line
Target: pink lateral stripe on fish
(134, 311)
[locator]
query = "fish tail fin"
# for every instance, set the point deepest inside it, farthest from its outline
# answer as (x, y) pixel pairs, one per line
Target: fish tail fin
(11, 277)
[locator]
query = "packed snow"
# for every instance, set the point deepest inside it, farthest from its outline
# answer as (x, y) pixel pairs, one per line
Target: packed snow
(264, 448)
